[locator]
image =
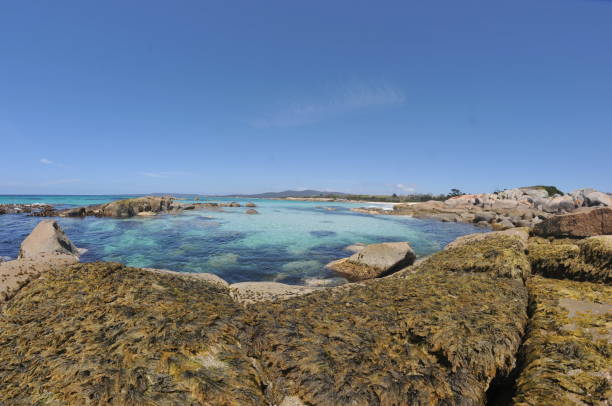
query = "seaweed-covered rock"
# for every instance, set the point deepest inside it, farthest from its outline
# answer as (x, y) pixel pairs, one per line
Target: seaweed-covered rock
(584, 222)
(500, 253)
(104, 334)
(589, 259)
(429, 338)
(521, 233)
(47, 238)
(374, 260)
(567, 353)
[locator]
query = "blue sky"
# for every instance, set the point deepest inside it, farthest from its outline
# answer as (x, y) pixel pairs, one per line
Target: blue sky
(356, 96)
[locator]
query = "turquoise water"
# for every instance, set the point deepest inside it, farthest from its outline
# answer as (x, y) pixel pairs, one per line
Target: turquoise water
(288, 241)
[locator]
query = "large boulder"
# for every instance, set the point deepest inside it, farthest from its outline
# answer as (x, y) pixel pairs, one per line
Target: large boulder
(566, 354)
(47, 238)
(374, 260)
(579, 196)
(584, 222)
(559, 204)
(599, 199)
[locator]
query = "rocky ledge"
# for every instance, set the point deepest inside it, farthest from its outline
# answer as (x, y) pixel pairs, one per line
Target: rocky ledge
(521, 207)
(504, 318)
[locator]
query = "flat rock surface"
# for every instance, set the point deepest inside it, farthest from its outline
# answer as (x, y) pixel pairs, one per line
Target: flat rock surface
(251, 292)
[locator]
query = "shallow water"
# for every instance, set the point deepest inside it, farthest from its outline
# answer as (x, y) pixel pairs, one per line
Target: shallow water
(289, 241)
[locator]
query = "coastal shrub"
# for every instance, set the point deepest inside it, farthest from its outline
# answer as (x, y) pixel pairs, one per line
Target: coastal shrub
(552, 190)
(105, 334)
(566, 355)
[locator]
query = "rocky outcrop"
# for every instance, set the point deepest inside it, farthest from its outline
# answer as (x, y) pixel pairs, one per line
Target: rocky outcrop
(585, 222)
(566, 354)
(47, 238)
(250, 204)
(582, 260)
(521, 207)
(34, 209)
(374, 260)
(124, 208)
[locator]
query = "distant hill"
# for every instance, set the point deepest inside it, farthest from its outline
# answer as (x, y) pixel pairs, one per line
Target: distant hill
(290, 193)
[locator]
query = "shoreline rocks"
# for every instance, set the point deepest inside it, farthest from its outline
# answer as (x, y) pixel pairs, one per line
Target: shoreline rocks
(457, 327)
(34, 209)
(584, 222)
(521, 207)
(374, 260)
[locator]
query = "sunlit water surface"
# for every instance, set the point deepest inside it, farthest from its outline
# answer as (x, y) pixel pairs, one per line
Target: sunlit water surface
(287, 242)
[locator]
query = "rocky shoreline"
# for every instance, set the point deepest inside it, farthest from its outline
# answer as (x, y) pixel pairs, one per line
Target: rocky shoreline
(521, 207)
(521, 315)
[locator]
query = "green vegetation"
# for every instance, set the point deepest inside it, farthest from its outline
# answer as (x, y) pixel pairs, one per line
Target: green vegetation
(394, 198)
(552, 190)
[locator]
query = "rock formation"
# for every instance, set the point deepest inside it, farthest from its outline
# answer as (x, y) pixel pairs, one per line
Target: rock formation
(521, 207)
(374, 260)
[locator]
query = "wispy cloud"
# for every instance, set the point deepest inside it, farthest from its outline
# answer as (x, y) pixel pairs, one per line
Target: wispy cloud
(164, 174)
(350, 98)
(404, 188)
(46, 161)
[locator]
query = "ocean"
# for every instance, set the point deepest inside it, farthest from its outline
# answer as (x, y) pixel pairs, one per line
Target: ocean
(288, 242)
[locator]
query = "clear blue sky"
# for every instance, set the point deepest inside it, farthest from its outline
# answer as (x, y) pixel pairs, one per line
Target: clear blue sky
(253, 96)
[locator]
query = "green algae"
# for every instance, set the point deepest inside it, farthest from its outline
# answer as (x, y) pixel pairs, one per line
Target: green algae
(567, 353)
(102, 333)
(589, 259)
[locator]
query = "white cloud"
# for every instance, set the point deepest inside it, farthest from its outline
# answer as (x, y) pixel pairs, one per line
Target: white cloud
(167, 174)
(45, 161)
(405, 188)
(350, 98)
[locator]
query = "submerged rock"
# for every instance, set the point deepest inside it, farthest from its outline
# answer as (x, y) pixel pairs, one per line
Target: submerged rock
(103, 333)
(374, 260)
(567, 350)
(584, 222)
(251, 211)
(250, 204)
